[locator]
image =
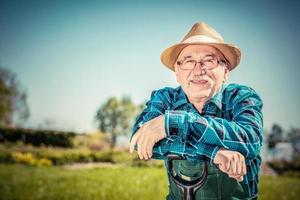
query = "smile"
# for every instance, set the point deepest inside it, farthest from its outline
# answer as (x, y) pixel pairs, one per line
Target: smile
(199, 82)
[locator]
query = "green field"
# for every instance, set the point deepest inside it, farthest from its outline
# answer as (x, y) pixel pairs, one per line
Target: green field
(28, 182)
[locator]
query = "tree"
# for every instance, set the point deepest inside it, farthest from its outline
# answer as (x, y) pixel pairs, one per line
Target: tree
(275, 136)
(13, 105)
(116, 117)
(293, 136)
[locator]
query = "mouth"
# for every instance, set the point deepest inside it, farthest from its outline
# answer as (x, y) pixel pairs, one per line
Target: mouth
(199, 82)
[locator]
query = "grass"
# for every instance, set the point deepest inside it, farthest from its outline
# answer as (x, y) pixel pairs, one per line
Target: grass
(28, 182)
(279, 187)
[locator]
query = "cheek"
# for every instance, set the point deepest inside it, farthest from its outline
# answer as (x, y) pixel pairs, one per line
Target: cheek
(182, 78)
(217, 79)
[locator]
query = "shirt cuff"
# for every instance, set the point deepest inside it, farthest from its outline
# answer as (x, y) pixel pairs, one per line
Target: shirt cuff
(209, 151)
(176, 123)
(213, 154)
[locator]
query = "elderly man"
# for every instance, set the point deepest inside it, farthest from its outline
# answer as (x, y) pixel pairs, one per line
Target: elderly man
(204, 120)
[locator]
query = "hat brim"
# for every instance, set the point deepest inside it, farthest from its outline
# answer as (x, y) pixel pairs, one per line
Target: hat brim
(231, 52)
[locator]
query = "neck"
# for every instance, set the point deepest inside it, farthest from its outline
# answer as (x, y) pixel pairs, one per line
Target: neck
(198, 103)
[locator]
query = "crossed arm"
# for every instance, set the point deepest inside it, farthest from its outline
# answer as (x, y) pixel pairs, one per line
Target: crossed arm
(160, 130)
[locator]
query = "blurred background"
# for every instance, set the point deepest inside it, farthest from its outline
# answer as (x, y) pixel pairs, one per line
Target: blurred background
(75, 74)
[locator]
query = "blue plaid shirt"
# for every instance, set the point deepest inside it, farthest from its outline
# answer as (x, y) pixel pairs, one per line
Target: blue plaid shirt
(231, 119)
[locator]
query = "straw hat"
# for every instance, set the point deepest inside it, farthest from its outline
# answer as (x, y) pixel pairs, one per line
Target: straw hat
(201, 33)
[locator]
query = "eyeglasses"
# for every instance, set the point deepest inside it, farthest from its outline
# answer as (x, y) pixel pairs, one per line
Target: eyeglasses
(209, 62)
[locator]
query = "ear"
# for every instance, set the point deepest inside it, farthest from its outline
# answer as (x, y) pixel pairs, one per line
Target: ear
(176, 72)
(226, 73)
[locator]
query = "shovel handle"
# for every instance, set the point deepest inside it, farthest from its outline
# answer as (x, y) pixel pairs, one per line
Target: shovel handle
(189, 188)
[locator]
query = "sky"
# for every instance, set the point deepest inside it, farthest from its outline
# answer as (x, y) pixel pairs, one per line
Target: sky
(71, 56)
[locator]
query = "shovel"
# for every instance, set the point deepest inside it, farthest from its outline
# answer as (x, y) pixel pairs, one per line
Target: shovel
(189, 188)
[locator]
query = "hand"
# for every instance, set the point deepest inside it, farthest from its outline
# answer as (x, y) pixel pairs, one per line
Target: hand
(147, 135)
(232, 163)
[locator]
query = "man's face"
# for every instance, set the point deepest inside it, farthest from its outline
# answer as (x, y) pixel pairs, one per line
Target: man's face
(199, 83)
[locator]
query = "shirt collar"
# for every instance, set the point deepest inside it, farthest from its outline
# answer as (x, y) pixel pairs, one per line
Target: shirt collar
(216, 99)
(181, 98)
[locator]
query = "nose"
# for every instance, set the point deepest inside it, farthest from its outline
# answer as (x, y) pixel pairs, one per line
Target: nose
(198, 69)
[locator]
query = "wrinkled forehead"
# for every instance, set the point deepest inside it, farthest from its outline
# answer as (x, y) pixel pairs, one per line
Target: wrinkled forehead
(199, 51)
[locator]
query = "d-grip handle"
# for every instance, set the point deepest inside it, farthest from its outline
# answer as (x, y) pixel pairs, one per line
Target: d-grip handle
(189, 188)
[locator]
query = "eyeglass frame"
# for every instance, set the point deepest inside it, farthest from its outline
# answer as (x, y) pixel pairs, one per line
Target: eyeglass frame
(224, 61)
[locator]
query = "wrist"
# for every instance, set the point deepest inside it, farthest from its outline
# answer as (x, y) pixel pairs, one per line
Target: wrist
(176, 123)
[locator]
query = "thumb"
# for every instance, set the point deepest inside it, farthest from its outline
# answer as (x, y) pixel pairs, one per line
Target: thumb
(238, 178)
(222, 167)
(218, 159)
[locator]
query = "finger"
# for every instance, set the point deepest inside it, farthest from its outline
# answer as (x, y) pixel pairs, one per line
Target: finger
(238, 167)
(233, 165)
(244, 169)
(149, 150)
(242, 163)
(139, 151)
(134, 140)
(144, 148)
(224, 167)
(221, 167)
(230, 167)
(232, 176)
(132, 143)
(243, 166)
(239, 178)
(140, 147)
(227, 165)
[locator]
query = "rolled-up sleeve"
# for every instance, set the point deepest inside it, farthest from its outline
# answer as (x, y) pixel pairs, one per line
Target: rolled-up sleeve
(242, 133)
(160, 104)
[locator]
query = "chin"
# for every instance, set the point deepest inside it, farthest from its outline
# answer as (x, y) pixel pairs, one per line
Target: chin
(201, 94)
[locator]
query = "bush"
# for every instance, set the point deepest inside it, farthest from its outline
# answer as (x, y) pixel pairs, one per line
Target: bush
(282, 166)
(102, 156)
(32, 155)
(290, 173)
(37, 137)
(30, 159)
(5, 157)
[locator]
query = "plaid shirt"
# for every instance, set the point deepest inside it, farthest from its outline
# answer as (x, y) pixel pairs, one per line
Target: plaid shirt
(231, 119)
